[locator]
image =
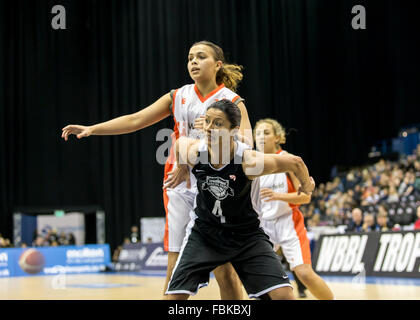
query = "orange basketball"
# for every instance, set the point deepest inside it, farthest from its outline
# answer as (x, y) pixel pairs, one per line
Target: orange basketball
(32, 261)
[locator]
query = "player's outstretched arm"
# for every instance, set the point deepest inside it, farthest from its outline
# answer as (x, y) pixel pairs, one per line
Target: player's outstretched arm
(257, 164)
(124, 124)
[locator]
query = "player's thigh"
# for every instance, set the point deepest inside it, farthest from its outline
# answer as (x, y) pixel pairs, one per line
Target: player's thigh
(259, 268)
(178, 208)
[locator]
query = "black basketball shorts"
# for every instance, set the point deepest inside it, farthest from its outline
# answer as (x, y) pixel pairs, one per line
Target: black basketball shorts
(257, 265)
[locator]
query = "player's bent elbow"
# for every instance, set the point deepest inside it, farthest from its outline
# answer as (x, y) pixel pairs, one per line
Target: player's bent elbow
(298, 164)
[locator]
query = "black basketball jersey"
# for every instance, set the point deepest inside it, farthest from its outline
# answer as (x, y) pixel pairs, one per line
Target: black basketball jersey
(227, 203)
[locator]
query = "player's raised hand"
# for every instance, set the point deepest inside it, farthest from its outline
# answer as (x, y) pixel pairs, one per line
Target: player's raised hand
(79, 131)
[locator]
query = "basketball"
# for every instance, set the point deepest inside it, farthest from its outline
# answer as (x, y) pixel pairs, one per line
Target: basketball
(32, 261)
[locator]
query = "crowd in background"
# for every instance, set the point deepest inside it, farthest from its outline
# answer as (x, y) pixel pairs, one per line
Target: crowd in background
(384, 196)
(50, 238)
(5, 243)
(53, 239)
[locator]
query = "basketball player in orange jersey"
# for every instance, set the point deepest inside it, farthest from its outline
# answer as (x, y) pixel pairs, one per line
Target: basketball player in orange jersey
(214, 80)
(281, 217)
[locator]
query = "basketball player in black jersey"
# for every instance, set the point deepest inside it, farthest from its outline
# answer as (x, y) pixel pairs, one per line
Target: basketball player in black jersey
(225, 225)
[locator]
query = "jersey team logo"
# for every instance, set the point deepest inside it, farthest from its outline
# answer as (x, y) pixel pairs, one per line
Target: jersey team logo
(218, 187)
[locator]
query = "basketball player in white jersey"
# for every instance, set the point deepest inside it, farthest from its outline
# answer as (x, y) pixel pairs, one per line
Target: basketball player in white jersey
(214, 80)
(281, 218)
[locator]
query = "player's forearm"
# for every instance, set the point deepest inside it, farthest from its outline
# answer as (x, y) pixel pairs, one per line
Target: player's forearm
(120, 125)
(293, 198)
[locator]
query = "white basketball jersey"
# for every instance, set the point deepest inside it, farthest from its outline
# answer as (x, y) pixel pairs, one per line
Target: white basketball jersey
(278, 183)
(188, 105)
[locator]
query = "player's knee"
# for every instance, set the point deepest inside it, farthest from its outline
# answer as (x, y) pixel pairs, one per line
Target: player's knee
(305, 273)
(284, 293)
(177, 296)
(225, 275)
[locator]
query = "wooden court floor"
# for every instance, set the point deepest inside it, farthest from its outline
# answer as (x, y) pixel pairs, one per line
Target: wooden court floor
(133, 287)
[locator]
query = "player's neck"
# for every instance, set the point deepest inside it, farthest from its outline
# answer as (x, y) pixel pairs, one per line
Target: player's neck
(216, 155)
(206, 87)
(274, 149)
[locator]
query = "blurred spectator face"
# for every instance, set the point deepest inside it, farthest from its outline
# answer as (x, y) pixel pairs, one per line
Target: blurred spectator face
(369, 220)
(54, 244)
(2, 242)
(23, 245)
(382, 220)
(382, 210)
(127, 241)
(39, 242)
(356, 215)
(134, 229)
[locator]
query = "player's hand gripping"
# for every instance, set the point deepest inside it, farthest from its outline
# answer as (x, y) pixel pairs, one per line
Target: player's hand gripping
(199, 123)
(268, 194)
(179, 174)
(307, 187)
(79, 131)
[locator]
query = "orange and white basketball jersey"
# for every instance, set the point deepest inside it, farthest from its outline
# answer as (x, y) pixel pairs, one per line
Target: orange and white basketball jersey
(279, 183)
(187, 105)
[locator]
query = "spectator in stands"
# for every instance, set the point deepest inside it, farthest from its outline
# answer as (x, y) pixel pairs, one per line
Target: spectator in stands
(71, 239)
(356, 223)
(383, 195)
(116, 254)
(2, 242)
(314, 222)
(417, 223)
(62, 239)
(134, 236)
(23, 245)
(54, 243)
(383, 224)
(417, 174)
(52, 236)
(40, 242)
(393, 196)
(126, 241)
(369, 223)
(149, 240)
(407, 186)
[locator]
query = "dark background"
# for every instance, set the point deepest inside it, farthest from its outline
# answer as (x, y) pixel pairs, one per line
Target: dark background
(342, 89)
